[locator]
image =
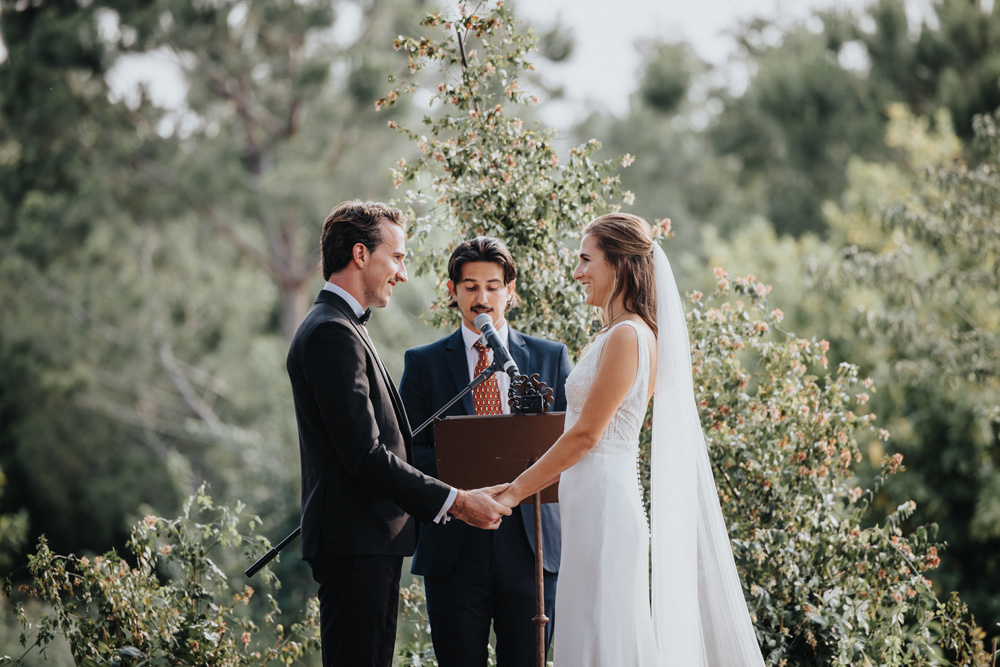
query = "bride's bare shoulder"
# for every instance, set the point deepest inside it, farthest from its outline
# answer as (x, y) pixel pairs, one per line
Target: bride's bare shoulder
(643, 332)
(626, 338)
(641, 328)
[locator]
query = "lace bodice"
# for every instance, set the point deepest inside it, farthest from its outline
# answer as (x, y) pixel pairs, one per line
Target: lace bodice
(622, 434)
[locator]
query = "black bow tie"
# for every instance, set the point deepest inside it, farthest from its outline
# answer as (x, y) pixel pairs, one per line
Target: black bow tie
(363, 318)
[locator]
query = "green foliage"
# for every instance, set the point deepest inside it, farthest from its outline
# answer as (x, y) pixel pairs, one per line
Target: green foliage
(557, 43)
(169, 602)
(150, 259)
(829, 584)
(143, 382)
(949, 63)
(675, 171)
(816, 96)
(71, 492)
(266, 85)
(667, 75)
(902, 291)
(13, 531)
(482, 170)
(935, 255)
(70, 179)
(416, 649)
(794, 128)
(920, 278)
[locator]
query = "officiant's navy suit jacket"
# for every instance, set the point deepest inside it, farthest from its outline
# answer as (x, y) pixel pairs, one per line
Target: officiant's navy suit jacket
(432, 375)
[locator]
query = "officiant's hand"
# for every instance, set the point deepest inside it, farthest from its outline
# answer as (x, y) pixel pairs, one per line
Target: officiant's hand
(478, 507)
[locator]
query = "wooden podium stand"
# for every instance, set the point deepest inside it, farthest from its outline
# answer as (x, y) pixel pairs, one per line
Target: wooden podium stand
(473, 452)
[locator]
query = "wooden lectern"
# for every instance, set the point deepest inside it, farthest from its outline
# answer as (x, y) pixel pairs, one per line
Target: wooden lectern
(473, 452)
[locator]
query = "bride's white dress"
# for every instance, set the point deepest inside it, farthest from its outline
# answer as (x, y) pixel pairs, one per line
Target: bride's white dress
(602, 604)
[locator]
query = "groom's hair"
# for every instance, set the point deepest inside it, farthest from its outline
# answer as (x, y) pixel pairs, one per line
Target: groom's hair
(350, 223)
(483, 249)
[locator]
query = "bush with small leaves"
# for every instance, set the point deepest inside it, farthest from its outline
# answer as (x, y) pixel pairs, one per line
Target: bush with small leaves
(827, 585)
(482, 169)
(167, 601)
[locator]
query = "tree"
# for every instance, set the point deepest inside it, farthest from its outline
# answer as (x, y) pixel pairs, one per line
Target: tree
(13, 531)
(676, 168)
(667, 76)
(58, 147)
(905, 288)
(482, 170)
(816, 97)
(923, 263)
(794, 128)
(267, 82)
(169, 248)
(951, 63)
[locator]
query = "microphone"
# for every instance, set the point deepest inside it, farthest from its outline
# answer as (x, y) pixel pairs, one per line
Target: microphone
(500, 354)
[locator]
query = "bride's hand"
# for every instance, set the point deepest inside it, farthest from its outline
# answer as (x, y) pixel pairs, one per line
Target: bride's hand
(507, 498)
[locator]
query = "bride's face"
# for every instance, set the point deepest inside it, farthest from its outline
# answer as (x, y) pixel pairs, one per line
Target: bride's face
(594, 273)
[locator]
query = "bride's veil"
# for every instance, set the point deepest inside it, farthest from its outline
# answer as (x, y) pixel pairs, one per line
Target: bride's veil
(699, 613)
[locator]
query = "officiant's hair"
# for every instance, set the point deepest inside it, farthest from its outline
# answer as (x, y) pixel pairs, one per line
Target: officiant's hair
(627, 243)
(483, 249)
(350, 223)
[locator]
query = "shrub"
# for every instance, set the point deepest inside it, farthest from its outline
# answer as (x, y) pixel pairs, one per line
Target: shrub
(482, 169)
(166, 602)
(827, 585)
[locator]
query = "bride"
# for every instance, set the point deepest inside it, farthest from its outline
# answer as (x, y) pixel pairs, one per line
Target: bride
(699, 616)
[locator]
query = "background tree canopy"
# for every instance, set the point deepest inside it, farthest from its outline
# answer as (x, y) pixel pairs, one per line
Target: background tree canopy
(154, 261)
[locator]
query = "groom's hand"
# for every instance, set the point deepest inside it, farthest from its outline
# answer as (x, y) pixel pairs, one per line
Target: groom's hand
(478, 508)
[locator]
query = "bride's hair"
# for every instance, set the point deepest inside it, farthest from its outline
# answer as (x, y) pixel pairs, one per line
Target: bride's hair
(627, 243)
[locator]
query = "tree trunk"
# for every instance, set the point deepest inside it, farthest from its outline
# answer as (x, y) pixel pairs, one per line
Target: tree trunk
(294, 279)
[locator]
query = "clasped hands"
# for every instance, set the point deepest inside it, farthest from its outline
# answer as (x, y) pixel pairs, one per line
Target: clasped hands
(483, 508)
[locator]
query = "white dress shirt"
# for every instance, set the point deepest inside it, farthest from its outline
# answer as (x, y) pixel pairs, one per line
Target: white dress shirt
(346, 296)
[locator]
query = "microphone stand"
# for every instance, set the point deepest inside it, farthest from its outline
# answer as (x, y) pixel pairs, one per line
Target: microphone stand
(478, 380)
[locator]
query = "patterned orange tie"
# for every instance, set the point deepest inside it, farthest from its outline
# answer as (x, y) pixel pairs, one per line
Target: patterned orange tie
(487, 395)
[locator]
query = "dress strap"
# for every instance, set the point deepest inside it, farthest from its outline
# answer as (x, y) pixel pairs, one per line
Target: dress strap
(642, 374)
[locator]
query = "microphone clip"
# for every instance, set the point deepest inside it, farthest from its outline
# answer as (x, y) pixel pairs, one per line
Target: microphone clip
(530, 396)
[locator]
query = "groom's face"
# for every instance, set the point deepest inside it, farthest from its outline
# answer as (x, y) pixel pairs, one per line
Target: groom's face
(481, 290)
(384, 267)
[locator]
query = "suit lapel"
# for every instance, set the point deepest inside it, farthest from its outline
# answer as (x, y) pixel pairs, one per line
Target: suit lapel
(457, 361)
(397, 402)
(518, 351)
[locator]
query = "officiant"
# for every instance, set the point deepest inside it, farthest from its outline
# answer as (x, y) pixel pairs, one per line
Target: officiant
(474, 577)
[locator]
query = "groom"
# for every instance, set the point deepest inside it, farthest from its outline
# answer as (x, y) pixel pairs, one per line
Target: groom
(359, 489)
(473, 576)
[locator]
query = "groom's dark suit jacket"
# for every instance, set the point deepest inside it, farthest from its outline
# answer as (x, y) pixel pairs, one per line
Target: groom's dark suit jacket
(432, 375)
(358, 487)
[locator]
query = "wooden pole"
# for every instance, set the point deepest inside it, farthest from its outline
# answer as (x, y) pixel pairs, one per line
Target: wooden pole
(540, 619)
